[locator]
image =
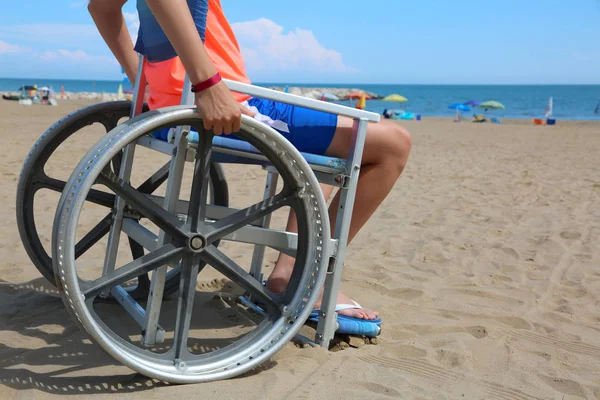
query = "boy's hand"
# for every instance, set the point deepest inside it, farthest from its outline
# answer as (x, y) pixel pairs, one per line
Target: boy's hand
(219, 110)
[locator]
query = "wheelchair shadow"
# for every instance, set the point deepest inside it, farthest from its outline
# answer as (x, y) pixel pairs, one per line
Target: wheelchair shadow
(42, 349)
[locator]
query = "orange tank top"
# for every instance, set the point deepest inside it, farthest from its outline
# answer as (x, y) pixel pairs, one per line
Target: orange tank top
(166, 77)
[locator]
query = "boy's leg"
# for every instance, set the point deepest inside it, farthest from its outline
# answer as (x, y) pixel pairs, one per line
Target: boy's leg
(280, 276)
(386, 151)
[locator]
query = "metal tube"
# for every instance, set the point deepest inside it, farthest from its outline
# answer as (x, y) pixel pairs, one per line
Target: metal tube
(328, 317)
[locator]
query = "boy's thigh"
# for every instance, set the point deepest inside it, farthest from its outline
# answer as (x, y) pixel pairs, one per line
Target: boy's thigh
(378, 142)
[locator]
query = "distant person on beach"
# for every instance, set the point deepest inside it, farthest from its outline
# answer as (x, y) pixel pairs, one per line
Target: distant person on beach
(387, 144)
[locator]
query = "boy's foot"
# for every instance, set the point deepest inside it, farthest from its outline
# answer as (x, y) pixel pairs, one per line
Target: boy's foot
(278, 286)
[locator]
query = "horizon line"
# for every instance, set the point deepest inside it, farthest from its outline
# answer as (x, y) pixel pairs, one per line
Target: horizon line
(345, 83)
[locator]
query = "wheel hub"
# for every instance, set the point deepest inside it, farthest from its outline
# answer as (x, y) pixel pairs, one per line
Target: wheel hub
(197, 243)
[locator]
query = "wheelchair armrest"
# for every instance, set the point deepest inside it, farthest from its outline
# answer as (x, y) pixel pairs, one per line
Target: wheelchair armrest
(300, 101)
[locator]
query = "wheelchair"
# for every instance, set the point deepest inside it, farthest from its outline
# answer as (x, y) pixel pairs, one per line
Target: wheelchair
(143, 309)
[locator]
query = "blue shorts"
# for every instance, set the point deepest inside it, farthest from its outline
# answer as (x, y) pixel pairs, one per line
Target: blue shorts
(309, 131)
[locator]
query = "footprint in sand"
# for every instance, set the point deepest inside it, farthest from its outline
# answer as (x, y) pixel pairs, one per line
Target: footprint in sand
(450, 359)
(423, 330)
(380, 389)
(478, 332)
(541, 354)
(404, 351)
(570, 235)
(564, 386)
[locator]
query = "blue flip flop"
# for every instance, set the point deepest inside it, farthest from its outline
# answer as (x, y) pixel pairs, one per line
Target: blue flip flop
(350, 325)
(346, 325)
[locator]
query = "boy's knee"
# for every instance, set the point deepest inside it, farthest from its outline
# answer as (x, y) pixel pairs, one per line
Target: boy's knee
(399, 145)
(404, 139)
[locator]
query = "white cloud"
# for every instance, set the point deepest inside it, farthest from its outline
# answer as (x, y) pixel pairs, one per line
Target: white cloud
(265, 46)
(133, 24)
(68, 35)
(11, 48)
(131, 18)
(77, 56)
(49, 32)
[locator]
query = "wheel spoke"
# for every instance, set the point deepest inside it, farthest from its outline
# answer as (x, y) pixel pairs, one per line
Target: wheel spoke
(185, 304)
(198, 195)
(241, 218)
(141, 203)
(157, 179)
(219, 261)
(94, 196)
(93, 236)
(110, 121)
(137, 251)
(46, 182)
(151, 261)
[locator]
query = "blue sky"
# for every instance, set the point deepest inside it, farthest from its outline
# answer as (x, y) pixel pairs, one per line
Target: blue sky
(341, 41)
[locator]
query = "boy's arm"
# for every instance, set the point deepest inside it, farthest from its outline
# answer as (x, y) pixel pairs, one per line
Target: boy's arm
(109, 20)
(216, 105)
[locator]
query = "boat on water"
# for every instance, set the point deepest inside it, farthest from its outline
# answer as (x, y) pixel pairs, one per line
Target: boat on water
(548, 113)
(549, 108)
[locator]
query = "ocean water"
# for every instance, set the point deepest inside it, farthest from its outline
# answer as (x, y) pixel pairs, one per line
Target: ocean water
(573, 102)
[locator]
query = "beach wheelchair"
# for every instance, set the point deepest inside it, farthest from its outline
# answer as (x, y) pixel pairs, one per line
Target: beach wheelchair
(140, 310)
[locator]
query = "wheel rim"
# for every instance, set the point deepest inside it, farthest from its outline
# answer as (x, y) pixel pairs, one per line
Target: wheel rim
(285, 312)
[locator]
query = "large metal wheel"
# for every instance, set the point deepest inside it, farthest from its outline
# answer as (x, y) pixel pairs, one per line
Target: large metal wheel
(35, 177)
(191, 244)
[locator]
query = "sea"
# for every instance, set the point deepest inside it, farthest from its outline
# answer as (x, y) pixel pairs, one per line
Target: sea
(570, 102)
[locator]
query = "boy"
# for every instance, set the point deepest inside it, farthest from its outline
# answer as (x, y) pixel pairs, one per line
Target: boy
(387, 145)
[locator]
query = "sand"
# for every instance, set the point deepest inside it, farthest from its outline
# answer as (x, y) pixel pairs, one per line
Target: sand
(483, 263)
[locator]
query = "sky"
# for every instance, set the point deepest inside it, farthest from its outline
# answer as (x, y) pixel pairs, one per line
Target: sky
(340, 41)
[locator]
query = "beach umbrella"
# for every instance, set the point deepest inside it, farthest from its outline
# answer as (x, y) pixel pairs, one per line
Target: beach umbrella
(395, 98)
(358, 95)
(459, 107)
(491, 105)
(473, 103)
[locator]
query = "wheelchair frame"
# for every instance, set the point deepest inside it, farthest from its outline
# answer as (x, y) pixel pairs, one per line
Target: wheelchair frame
(342, 173)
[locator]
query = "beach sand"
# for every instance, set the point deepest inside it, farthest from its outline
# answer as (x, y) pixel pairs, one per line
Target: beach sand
(483, 263)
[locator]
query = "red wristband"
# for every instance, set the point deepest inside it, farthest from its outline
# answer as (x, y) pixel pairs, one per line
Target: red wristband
(199, 87)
